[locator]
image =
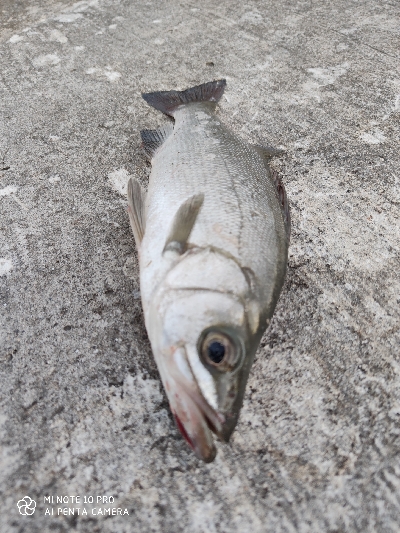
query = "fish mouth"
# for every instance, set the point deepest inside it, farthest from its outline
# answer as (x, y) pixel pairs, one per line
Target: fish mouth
(201, 445)
(196, 420)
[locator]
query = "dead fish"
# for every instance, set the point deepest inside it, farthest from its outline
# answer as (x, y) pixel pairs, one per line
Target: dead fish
(212, 233)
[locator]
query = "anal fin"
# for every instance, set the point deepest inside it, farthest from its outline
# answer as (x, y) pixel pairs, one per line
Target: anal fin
(183, 223)
(153, 139)
(136, 204)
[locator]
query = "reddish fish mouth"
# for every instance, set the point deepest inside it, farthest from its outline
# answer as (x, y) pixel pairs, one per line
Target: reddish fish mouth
(198, 423)
(183, 431)
(185, 435)
(202, 441)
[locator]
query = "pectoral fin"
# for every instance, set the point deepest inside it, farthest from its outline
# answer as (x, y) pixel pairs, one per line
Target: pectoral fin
(183, 223)
(136, 202)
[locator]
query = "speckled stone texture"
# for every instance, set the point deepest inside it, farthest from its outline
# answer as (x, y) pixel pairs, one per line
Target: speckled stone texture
(82, 410)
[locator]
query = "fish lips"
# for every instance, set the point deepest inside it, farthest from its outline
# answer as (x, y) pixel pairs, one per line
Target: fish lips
(197, 421)
(195, 428)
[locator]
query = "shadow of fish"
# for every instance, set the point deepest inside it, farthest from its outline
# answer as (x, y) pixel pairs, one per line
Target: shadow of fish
(212, 233)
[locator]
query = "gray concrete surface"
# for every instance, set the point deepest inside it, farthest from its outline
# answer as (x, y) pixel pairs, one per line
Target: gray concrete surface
(317, 448)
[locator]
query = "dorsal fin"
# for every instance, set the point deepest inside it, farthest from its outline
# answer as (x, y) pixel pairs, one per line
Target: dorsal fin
(266, 152)
(136, 203)
(183, 223)
(283, 199)
(153, 139)
(168, 101)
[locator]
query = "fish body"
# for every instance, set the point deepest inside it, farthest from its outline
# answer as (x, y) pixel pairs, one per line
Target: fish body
(212, 233)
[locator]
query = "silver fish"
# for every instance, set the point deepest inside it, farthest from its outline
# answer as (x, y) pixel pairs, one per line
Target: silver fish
(212, 233)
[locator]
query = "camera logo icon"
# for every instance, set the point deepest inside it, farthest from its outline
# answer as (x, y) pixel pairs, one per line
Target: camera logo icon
(26, 506)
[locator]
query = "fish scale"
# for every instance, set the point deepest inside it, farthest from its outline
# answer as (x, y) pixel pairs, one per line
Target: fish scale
(236, 186)
(212, 233)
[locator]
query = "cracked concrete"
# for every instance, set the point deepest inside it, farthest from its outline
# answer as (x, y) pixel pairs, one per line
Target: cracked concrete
(82, 411)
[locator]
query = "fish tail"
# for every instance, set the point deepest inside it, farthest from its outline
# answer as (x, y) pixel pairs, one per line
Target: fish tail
(168, 101)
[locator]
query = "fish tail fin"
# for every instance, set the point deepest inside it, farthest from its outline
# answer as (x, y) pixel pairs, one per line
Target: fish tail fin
(168, 101)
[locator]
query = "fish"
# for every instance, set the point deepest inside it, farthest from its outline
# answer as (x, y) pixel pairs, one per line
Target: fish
(212, 234)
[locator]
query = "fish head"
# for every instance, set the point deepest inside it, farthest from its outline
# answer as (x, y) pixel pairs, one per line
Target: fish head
(204, 348)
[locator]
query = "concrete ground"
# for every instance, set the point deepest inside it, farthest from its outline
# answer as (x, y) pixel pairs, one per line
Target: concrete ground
(82, 410)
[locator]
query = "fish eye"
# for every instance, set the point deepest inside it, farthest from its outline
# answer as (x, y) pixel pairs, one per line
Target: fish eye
(218, 350)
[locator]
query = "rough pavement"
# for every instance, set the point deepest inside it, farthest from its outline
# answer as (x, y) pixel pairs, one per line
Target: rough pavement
(82, 411)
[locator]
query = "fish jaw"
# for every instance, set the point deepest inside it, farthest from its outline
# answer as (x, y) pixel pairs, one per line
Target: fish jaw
(195, 418)
(203, 400)
(193, 426)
